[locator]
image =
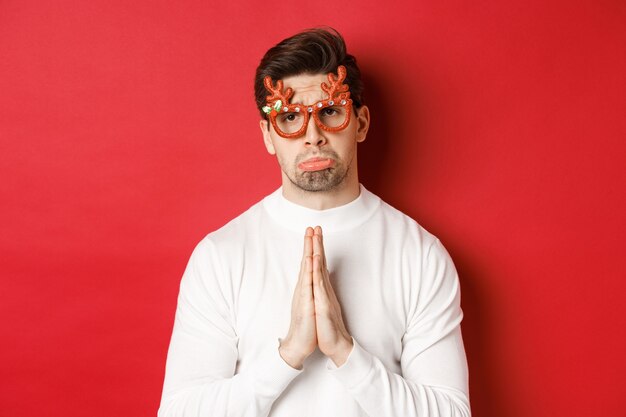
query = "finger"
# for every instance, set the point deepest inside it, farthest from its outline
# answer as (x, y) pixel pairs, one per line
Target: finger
(318, 279)
(323, 251)
(307, 247)
(318, 249)
(318, 246)
(306, 286)
(308, 243)
(330, 291)
(307, 251)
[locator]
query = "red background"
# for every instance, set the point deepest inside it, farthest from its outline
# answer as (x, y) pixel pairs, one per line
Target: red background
(128, 131)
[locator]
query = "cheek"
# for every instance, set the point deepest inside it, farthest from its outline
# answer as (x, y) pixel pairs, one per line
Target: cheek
(347, 142)
(285, 152)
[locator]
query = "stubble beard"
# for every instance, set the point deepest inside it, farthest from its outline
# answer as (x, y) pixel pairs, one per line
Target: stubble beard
(318, 181)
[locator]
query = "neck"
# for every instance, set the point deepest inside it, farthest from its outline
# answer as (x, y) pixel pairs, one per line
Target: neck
(344, 193)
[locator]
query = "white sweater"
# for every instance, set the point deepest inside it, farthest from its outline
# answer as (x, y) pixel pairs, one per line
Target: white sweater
(399, 294)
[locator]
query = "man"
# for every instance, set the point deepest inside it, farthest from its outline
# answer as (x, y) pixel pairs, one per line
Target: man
(320, 300)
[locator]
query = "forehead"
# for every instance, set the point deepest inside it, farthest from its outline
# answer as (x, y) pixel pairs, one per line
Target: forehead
(306, 87)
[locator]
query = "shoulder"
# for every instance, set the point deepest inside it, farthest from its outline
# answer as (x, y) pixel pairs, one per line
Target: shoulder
(234, 233)
(405, 227)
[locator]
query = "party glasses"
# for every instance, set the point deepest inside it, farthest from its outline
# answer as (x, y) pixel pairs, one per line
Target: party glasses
(291, 120)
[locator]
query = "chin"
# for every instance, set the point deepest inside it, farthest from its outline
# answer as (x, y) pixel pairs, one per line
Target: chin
(319, 181)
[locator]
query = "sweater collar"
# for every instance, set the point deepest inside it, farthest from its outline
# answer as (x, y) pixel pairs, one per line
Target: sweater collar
(297, 218)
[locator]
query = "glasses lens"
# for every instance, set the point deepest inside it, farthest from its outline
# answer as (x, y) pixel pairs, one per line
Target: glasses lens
(290, 122)
(333, 116)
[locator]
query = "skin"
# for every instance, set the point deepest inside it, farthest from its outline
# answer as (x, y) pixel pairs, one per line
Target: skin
(340, 146)
(316, 320)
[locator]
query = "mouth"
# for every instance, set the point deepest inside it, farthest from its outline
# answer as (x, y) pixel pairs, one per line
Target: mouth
(316, 164)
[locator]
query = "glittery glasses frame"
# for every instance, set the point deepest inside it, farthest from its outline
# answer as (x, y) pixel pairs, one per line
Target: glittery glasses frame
(278, 102)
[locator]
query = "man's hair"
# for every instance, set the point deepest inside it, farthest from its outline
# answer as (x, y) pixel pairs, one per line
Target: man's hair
(313, 51)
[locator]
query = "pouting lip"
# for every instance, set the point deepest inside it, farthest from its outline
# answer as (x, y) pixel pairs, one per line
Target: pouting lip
(315, 159)
(316, 164)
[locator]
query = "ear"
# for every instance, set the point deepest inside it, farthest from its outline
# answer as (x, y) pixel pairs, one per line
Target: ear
(362, 123)
(267, 139)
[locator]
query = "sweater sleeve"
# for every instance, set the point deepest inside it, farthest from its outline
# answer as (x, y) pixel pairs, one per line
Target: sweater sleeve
(434, 380)
(200, 378)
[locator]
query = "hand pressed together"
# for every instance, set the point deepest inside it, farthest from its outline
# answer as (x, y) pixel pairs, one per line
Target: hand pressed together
(316, 319)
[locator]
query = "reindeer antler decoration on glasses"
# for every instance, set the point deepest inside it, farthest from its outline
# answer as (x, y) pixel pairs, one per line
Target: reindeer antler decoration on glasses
(291, 120)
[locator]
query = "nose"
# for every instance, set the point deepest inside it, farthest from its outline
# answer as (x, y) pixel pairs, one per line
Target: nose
(314, 135)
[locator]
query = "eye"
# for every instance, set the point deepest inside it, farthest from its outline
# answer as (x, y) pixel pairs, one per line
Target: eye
(331, 112)
(289, 117)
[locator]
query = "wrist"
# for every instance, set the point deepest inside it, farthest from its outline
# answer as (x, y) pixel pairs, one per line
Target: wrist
(291, 357)
(340, 356)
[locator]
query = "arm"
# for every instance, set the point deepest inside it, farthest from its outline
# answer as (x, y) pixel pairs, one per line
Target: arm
(434, 368)
(200, 377)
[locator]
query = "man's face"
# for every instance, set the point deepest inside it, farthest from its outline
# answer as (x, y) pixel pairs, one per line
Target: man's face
(318, 160)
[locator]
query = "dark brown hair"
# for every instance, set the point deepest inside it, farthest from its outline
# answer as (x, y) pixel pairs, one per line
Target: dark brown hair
(313, 51)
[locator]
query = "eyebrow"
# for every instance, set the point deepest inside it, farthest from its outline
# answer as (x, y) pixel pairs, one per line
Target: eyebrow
(312, 91)
(309, 104)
